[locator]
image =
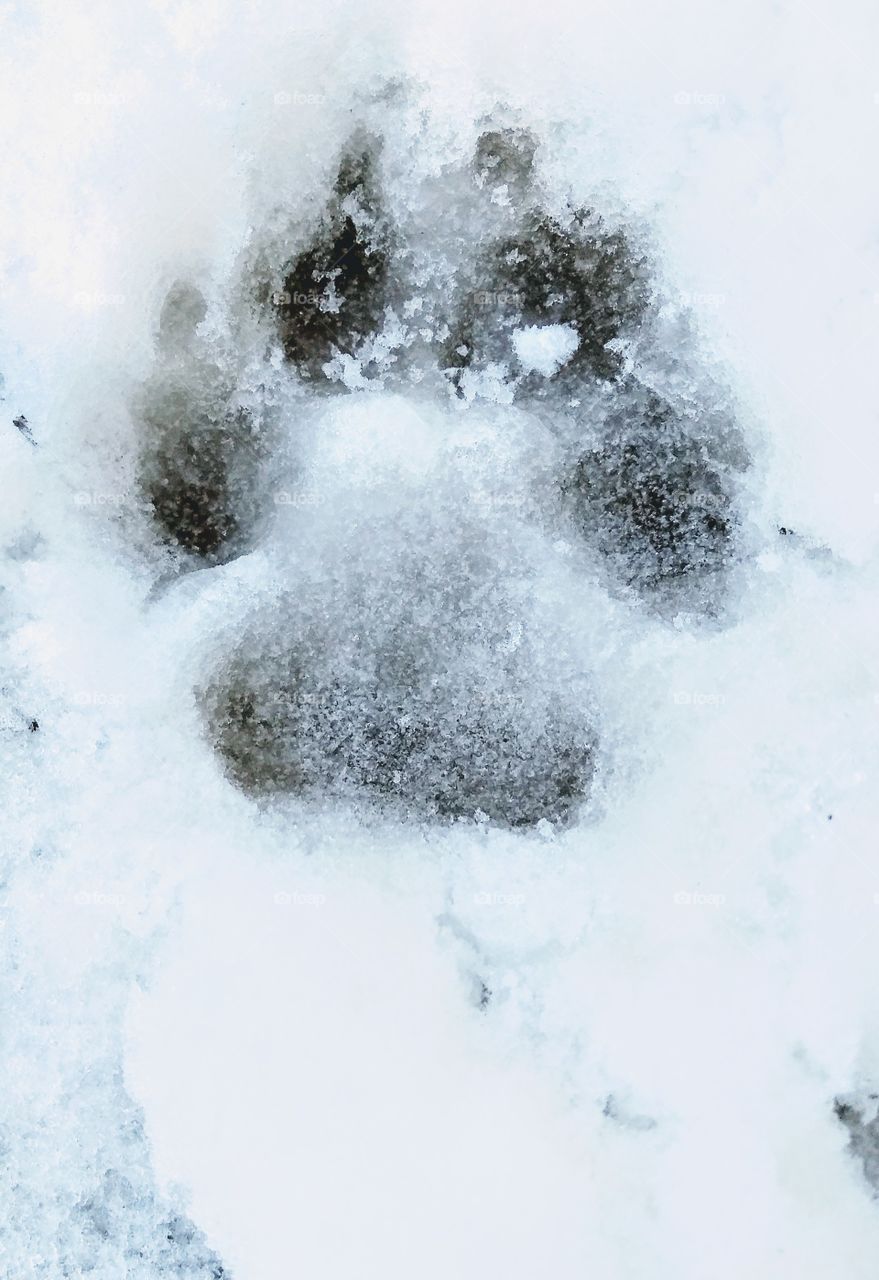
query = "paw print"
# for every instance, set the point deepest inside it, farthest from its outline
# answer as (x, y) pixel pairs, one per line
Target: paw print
(403, 406)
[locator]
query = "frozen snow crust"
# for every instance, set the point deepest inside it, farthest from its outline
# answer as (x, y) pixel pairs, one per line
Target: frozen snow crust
(436, 769)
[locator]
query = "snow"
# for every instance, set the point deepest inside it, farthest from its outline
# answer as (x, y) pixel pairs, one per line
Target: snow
(336, 1039)
(545, 348)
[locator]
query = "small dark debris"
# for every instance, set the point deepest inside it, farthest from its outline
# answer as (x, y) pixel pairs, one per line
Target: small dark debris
(33, 725)
(21, 423)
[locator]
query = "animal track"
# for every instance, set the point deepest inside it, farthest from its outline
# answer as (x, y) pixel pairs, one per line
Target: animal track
(334, 293)
(203, 449)
(395, 679)
(579, 275)
(656, 500)
(411, 693)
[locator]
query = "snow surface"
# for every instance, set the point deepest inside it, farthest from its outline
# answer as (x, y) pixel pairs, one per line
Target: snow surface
(315, 1037)
(545, 348)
